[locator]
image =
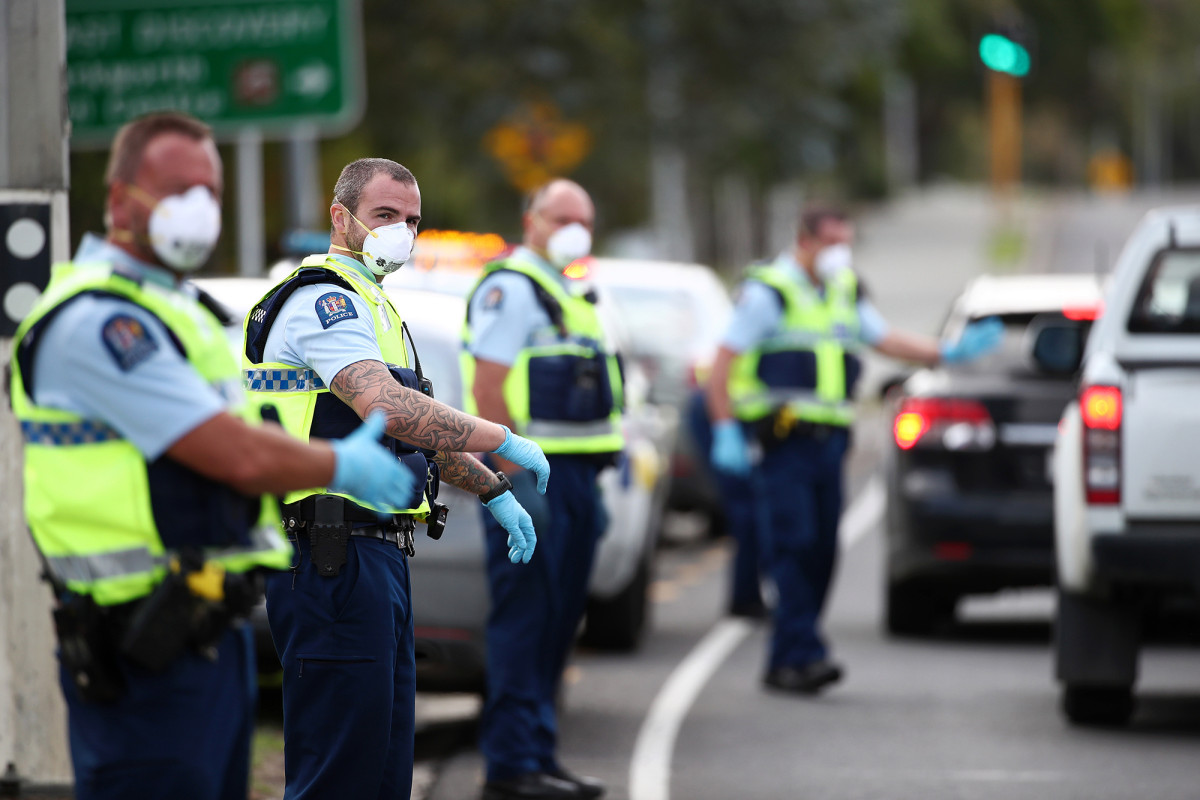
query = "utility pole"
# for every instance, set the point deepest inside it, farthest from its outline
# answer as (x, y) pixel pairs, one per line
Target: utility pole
(1004, 130)
(33, 233)
(668, 161)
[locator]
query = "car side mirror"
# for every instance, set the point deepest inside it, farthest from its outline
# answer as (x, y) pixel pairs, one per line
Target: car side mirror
(1057, 345)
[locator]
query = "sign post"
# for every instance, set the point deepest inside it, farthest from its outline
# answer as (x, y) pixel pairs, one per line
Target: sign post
(33, 233)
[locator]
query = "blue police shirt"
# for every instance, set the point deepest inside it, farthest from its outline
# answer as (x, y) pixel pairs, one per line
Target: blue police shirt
(108, 359)
(505, 312)
(759, 313)
(300, 336)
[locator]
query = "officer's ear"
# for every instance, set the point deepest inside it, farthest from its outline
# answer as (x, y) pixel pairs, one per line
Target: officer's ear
(339, 218)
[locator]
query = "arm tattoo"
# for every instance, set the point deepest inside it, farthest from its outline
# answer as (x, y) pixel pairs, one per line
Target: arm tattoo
(411, 416)
(466, 472)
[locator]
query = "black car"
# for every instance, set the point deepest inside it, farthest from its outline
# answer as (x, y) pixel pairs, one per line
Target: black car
(970, 499)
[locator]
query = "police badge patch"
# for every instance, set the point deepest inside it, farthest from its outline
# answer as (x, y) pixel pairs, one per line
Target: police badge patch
(333, 307)
(127, 340)
(493, 299)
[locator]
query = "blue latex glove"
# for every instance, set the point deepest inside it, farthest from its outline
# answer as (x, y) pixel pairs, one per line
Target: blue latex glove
(977, 340)
(525, 453)
(368, 470)
(515, 519)
(729, 452)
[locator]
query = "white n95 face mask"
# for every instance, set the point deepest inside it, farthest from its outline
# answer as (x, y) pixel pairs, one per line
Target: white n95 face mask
(568, 243)
(833, 259)
(386, 248)
(184, 228)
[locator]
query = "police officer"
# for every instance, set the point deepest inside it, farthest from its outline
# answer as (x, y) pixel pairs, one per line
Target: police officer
(144, 471)
(326, 348)
(783, 379)
(736, 496)
(535, 360)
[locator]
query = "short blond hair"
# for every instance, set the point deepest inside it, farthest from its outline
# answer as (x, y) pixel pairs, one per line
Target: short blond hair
(129, 145)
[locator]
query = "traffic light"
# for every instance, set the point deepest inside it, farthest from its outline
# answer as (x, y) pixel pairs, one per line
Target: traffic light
(1002, 54)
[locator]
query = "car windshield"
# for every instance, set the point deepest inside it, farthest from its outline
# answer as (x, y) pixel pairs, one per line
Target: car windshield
(1169, 299)
(659, 321)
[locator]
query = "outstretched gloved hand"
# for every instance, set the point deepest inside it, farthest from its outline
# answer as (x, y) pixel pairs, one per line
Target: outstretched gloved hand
(978, 339)
(525, 453)
(515, 519)
(368, 470)
(729, 453)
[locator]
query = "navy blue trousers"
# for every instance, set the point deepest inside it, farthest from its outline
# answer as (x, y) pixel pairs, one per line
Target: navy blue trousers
(737, 501)
(799, 490)
(535, 611)
(182, 733)
(349, 674)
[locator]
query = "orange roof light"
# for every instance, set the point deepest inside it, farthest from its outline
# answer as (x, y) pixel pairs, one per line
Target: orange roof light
(1083, 313)
(578, 269)
(456, 250)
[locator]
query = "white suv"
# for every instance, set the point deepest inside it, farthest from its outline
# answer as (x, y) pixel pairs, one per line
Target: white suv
(1127, 469)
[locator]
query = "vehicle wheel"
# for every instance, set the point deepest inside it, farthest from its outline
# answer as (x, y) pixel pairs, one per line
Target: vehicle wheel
(617, 623)
(1097, 705)
(914, 610)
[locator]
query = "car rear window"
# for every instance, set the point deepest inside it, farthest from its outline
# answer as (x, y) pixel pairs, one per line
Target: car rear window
(1014, 355)
(1169, 298)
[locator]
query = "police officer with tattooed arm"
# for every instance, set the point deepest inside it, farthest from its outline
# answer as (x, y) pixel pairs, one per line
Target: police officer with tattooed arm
(150, 482)
(326, 347)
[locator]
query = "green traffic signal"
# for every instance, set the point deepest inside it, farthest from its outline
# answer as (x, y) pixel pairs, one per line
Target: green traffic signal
(1004, 55)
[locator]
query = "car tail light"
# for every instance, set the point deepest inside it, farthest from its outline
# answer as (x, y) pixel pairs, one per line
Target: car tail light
(1100, 407)
(952, 424)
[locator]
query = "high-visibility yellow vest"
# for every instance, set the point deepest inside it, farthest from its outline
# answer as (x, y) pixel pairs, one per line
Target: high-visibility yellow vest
(565, 390)
(304, 403)
(808, 365)
(107, 522)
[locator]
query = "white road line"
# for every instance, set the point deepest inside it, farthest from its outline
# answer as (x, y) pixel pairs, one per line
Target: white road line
(864, 513)
(650, 766)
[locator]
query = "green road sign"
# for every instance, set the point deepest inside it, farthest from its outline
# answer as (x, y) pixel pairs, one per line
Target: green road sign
(266, 64)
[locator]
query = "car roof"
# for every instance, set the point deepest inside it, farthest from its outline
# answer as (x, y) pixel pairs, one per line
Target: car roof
(238, 294)
(1030, 293)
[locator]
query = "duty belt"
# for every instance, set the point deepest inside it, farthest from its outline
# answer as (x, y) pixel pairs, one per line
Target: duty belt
(394, 528)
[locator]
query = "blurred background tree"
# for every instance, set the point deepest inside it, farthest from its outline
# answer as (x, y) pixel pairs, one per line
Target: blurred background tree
(761, 104)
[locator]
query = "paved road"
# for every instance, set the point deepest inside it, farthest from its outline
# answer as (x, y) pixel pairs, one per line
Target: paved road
(971, 714)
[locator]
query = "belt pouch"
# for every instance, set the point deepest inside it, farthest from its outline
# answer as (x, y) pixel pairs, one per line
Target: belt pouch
(86, 649)
(161, 627)
(773, 429)
(328, 534)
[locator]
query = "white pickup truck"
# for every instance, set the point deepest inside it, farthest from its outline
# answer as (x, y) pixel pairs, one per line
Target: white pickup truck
(1127, 469)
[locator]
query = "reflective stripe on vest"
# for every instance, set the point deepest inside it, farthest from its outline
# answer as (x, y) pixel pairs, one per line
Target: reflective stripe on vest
(812, 327)
(282, 380)
(581, 336)
(139, 561)
(90, 497)
(294, 391)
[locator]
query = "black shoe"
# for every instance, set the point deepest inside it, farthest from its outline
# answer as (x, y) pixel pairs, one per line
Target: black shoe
(588, 787)
(532, 786)
(809, 679)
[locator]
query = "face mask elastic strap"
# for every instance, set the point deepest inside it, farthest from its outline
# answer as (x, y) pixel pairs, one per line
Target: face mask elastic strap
(347, 249)
(356, 219)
